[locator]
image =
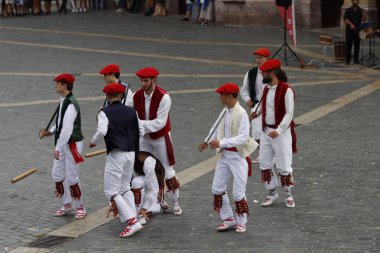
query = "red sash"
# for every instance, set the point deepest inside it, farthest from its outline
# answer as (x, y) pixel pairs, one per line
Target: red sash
(77, 157)
(169, 150)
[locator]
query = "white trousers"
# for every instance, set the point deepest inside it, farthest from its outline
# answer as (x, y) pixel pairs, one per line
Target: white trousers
(257, 127)
(231, 164)
(149, 192)
(281, 148)
(117, 178)
(158, 148)
(65, 169)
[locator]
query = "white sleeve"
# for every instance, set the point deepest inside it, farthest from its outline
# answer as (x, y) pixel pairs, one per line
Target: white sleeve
(288, 117)
(141, 127)
(129, 96)
(52, 129)
(259, 106)
(152, 126)
(129, 101)
(244, 91)
(151, 183)
(241, 138)
(67, 127)
(102, 128)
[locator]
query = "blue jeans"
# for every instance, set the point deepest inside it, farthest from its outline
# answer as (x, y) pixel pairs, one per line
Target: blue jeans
(99, 4)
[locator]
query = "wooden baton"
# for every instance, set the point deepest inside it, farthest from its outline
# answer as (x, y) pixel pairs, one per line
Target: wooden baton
(22, 175)
(95, 153)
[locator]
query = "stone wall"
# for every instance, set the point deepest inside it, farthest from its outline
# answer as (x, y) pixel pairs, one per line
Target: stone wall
(264, 12)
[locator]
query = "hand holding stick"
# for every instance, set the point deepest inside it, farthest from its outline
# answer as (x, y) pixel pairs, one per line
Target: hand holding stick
(254, 114)
(45, 132)
(144, 213)
(109, 211)
(202, 146)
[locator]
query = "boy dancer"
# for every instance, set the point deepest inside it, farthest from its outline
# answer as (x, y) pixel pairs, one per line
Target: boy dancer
(68, 147)
(230, 137)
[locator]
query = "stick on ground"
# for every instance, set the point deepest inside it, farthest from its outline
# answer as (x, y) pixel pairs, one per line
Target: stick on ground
(22, 175)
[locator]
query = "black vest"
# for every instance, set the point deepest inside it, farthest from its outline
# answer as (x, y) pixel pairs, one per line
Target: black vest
(123, 128)
(77, 132)
(159, 169)
(252, 74)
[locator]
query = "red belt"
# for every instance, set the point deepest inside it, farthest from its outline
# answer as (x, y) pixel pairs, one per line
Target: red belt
(232, 149)
(248, 159)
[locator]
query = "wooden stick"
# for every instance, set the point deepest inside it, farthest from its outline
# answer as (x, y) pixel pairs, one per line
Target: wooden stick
(95, 153)
(22, 175)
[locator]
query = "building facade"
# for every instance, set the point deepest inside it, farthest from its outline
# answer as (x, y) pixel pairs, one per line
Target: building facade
(310, 14)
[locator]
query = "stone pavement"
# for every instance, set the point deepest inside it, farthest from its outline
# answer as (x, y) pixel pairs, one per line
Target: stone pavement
(336, 169)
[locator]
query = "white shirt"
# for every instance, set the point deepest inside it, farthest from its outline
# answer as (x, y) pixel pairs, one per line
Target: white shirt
(244, 91)
(152, 126)
(270, 110)
(240, 139)
(129, 93)
(67, 125)
(102, 128)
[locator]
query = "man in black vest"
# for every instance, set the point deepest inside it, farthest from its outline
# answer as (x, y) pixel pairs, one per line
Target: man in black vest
(353, 17)
(111, 74)
(118, 124)
(68, 146)
(252, 88)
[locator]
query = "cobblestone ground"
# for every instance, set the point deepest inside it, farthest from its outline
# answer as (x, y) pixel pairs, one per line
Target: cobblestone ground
(336, 169)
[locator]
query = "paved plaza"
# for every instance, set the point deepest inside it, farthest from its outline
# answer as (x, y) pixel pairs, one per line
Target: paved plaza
(336, 170)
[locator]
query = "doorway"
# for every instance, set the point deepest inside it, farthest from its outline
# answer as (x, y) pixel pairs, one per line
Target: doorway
(331, 12)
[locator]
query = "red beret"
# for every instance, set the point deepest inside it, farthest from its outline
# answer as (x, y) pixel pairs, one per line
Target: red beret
(147, 72)
(114, 88)
(264, 52)
(270, 65)
(110, 69)
(65, 78)
(228, 88)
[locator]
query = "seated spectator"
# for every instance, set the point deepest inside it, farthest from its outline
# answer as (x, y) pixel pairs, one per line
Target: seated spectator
(160, 9)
